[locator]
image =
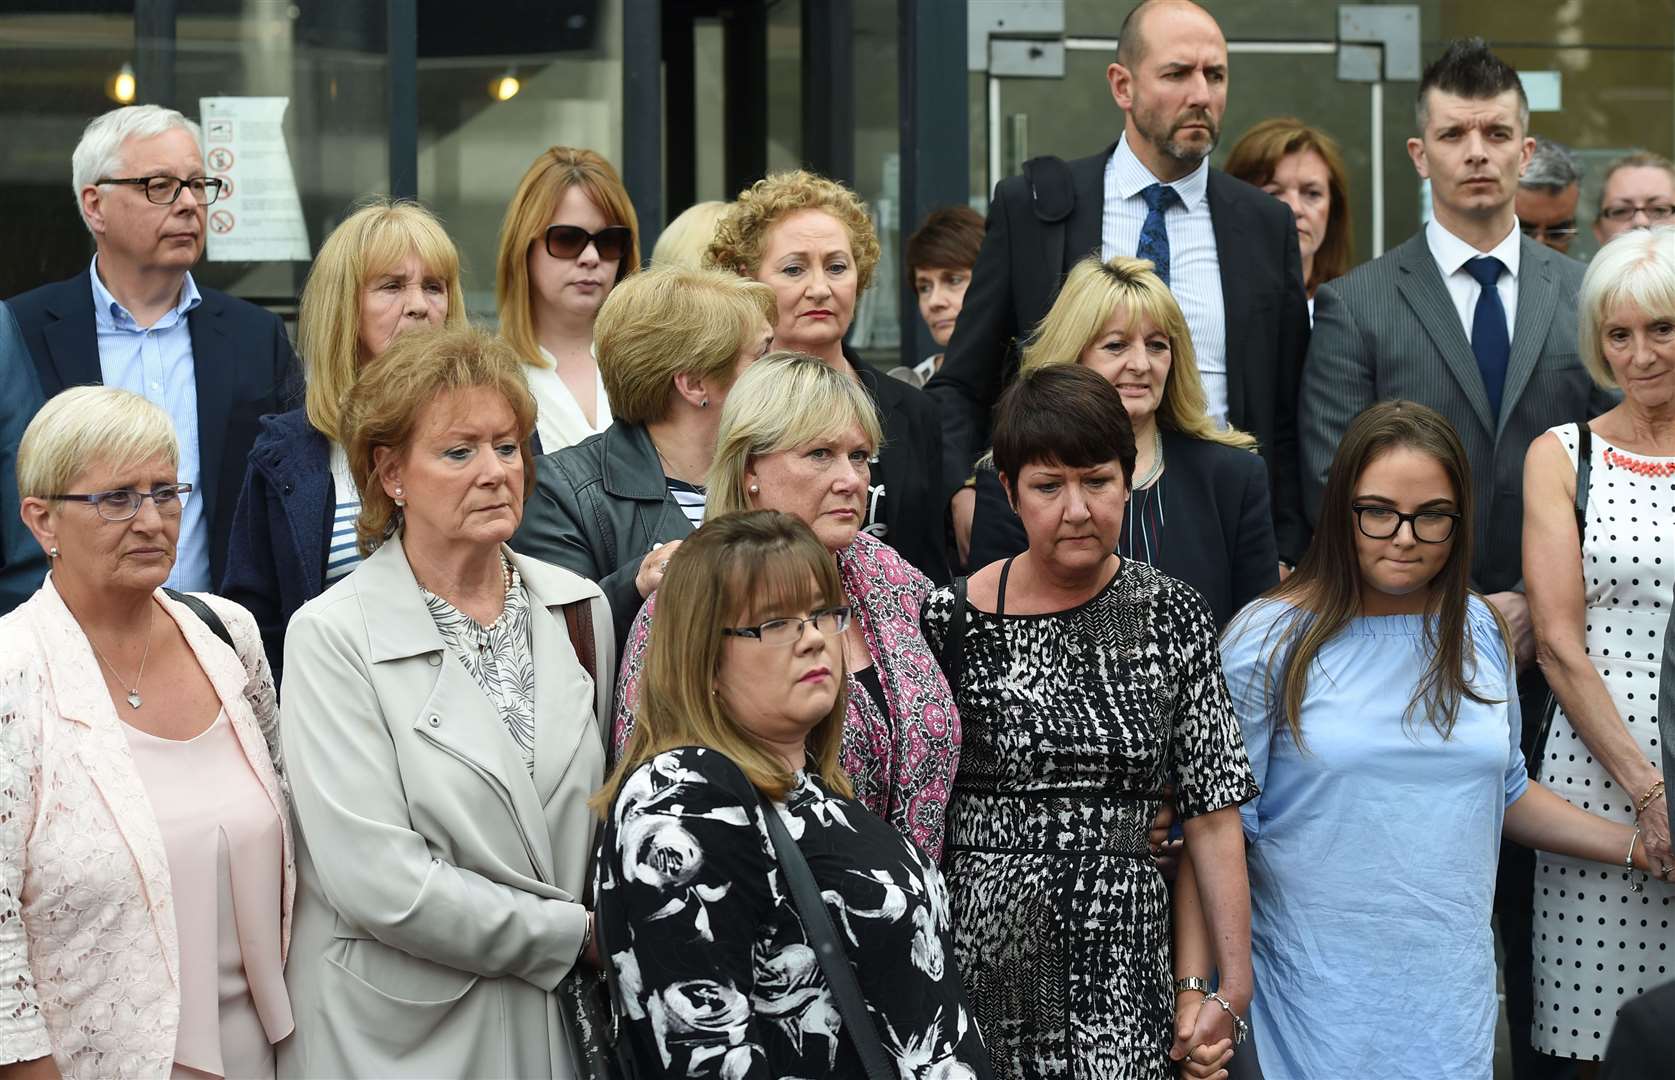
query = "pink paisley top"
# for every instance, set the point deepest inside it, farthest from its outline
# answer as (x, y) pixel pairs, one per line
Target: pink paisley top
(902, 763)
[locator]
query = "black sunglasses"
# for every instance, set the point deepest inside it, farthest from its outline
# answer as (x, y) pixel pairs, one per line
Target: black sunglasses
(569, 241)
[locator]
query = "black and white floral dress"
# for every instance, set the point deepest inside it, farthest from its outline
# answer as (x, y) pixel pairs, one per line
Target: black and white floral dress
(1073, 723)
(712, 959)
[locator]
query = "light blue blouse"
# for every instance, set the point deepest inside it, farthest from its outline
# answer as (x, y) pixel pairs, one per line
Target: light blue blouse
(1372, 851)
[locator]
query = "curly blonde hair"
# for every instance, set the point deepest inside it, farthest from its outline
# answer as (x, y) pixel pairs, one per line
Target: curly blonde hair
(742, 232)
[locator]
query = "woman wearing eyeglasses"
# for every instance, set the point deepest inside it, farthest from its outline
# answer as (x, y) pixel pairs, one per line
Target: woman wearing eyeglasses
(1379, 704)
(569, 236)
(146, 870)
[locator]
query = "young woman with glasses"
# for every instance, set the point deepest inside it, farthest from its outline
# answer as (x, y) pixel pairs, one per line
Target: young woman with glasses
(569, 236)
(1378, 699)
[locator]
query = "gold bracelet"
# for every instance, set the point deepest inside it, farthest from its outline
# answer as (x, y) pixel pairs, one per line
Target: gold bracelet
(1646, 800)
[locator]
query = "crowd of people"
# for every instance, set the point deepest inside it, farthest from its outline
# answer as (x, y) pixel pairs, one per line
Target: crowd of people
(1186, 671)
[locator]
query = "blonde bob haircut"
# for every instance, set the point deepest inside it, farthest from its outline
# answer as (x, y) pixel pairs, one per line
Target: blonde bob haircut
(669, 320)
(384, 405)
(686, 238)
(88, 425)
(1095, 291)
(1636, 268)
(738, 568)
(742, 233)
(783, 400)
(533, 205)
(375, 239)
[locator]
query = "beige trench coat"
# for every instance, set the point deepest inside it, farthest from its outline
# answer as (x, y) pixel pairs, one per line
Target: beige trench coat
(440, 884)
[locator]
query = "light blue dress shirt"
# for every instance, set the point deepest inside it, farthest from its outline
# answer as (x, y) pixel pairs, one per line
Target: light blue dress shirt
(1372, 852)
(156, 363)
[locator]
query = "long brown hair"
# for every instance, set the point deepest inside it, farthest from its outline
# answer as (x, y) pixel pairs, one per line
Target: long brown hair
(1326, 587)
(735, 565)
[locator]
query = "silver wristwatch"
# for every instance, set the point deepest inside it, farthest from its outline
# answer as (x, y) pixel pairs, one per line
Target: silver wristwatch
(1193, 982)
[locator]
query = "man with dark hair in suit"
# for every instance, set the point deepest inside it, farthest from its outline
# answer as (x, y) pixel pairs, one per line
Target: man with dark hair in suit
(1227, 250)
(135, 318)
(1477, 321)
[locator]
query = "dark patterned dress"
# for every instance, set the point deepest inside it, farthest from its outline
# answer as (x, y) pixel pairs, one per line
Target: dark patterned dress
(1072, 724)
(716, 971)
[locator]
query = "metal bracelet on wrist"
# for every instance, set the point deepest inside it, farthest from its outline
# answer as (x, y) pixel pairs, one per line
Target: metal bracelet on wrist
(1194, 983)
(1240, 1029)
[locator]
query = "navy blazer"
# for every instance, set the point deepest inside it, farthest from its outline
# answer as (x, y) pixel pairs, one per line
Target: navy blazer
(23, 564)
(276, 559)
(1218, 535)
(242, 362)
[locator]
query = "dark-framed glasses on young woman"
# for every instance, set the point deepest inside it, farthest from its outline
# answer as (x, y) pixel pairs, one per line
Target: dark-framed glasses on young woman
(1383, 522)
(831, 621)
(569, 241)
(164, 190)
(123, 503)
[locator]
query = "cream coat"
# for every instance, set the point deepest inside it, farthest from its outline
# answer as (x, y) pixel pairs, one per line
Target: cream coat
(439, 905)
(89, 953)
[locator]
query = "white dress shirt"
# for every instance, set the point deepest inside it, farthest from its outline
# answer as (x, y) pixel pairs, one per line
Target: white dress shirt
(1194, 264)
(1452, 254)
(558, 418)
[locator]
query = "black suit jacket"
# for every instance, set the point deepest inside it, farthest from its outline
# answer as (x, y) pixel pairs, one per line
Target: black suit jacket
(243, 364)
(1018, 273)
(907, 500)
(1643, 1039)
(1218, 535)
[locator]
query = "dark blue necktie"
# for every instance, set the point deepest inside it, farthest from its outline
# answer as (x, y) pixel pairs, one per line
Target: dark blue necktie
(1489, 340)
(1154, 236)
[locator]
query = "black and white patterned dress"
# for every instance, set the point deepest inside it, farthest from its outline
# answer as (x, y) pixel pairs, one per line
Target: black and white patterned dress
(1073, 723)
(712, 959)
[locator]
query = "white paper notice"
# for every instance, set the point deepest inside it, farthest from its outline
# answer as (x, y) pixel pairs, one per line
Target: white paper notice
(258, 217)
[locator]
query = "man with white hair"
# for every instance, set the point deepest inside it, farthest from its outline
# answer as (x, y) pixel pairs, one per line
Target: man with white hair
(136, 319)
(1547, 195)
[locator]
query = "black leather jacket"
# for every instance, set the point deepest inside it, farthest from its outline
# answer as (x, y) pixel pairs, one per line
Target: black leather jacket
(597, 508)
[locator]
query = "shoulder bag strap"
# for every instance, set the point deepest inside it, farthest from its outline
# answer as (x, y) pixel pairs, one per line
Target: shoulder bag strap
(834, 963)
(952, 657)
(205, 613)
(578, 619)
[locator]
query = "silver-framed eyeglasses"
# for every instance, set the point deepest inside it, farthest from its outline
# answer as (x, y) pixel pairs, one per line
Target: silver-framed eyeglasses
(164, 190)
(123, 503)
(1383, 522)
(829, 622)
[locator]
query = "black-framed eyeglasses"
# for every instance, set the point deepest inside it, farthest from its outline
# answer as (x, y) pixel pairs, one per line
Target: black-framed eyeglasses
(164, 190)
(1564, 230)
(569, 241)
(1383, 522)
(1654, 212)
(123, 503)
(831, 621)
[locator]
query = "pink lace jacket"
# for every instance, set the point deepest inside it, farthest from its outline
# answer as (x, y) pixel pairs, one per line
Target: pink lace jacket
(901, 762)
(89, 956)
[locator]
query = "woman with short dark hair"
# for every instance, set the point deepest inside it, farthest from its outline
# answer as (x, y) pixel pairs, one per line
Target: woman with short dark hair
(1087, 682)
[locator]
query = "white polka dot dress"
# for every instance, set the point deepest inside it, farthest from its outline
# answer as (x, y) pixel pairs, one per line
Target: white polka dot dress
(1598, 945)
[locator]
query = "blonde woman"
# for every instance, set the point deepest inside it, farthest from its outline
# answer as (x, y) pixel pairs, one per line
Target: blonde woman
(812, 241)
(613, 507)
(146, 870)
(570, 236)
(1198, 508)
(389, 268)
(686, 240)
(798, 436)
(744, 718)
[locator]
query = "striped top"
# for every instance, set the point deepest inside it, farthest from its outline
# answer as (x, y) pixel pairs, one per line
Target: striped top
(341, 553)
(690, 497)
(1142, 523)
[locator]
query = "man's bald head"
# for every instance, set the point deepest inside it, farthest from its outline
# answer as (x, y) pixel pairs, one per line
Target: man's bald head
(1131, 36)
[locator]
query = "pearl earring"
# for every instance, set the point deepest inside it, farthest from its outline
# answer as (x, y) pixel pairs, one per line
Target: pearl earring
(704, 404)
(53, 554)
(399, 501)
(754, 490)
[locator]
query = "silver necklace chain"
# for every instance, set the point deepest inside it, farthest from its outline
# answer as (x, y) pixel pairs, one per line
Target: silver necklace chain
(1157, 460)
(134, 699)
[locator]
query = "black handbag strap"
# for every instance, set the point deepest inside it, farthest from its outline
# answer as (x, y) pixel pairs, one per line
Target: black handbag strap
(1584, 466)
(952, 656)
(834, 963)
(205, 613)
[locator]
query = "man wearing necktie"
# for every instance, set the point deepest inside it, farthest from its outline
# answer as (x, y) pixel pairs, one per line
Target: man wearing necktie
(1478, 321)
(1226, 249)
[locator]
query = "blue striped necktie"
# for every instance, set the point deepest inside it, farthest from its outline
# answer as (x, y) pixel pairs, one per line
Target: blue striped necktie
(1154, 235)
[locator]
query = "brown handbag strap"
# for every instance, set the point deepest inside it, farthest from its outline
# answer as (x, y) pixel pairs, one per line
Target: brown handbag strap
(578, 618)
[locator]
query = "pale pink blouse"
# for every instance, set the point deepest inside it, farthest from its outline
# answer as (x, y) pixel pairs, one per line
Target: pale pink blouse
(226, 861)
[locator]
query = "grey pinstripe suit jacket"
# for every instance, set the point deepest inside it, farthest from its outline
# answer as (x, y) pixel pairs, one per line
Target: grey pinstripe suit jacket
(1389, 330)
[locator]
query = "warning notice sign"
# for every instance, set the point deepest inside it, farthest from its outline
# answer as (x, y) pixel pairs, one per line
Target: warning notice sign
(258, 217)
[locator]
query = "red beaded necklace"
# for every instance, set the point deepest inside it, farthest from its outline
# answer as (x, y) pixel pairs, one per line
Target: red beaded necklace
(1637, 466)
